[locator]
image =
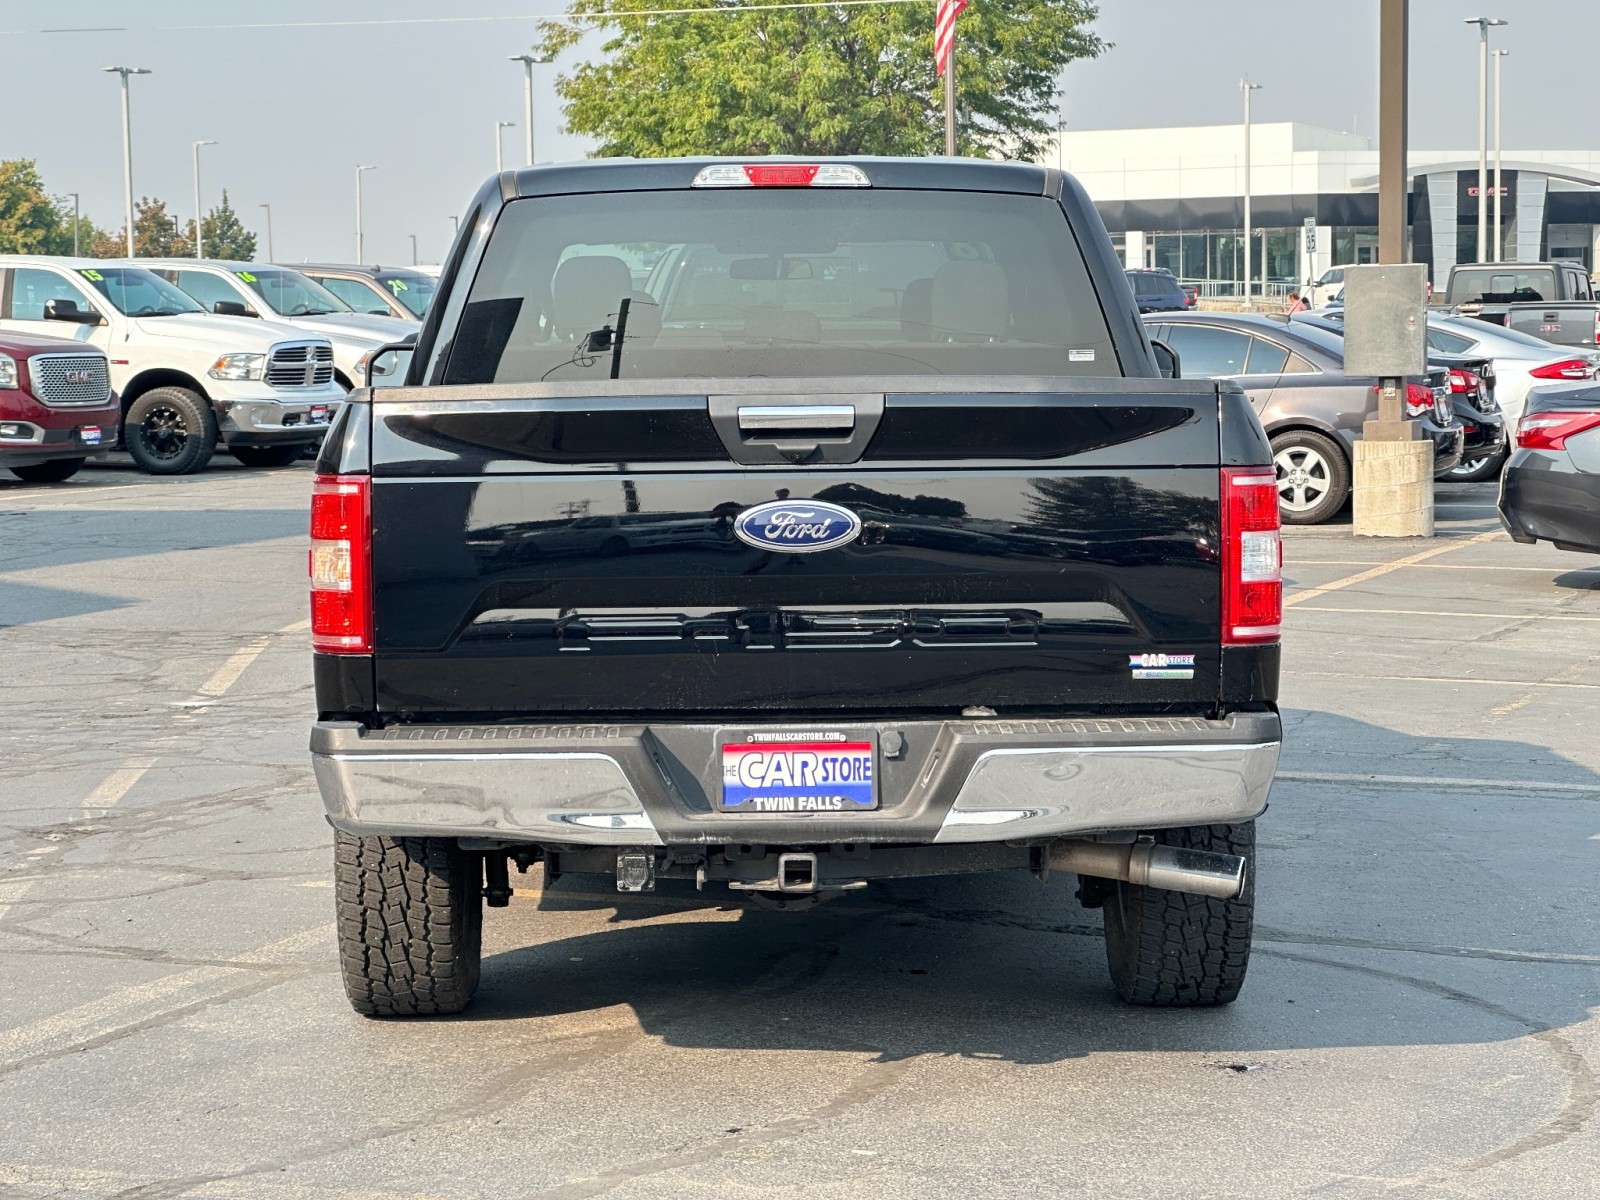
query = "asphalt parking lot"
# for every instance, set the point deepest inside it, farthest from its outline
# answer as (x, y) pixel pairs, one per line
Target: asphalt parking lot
(1420, 1018)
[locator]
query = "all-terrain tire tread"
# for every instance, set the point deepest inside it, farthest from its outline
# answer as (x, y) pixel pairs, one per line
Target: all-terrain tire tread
(1175, 950)
(410, 924)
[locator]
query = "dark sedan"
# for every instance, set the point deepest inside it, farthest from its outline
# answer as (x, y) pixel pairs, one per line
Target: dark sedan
(1158, 291)
(1313, 414)
(1550, 490)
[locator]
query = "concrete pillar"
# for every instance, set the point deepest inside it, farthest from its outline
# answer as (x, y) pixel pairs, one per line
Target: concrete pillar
(1133, 251)
(1393, 492)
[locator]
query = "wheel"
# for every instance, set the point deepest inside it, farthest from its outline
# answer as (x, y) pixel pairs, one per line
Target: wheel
(1313, 477)
(267, 456)
(1175, 950)
(410, 923)
(1476, 470)
(170, 431)
(49, 472)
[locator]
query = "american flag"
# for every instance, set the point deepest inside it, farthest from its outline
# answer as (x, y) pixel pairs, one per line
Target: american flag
(944, 31)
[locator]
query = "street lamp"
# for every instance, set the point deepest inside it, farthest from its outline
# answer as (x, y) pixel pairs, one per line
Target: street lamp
(528, 62)
(199, 236)
(127, 149)
(414, 259)
(1484, 24)
(1499, 229)
(499, 159)
(359, 169)
(75, 221)
(1247, 87)
(271, 257)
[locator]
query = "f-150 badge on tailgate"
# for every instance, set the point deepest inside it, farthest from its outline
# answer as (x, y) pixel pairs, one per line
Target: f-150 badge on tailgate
(796, 526)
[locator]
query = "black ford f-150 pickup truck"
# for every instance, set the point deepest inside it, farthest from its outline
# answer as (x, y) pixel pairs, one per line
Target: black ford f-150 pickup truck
(783, 527)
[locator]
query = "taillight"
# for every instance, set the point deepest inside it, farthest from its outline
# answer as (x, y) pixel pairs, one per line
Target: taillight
(781, 175)
(1567, 368)
(1464, 381)
(1550, 430)
(1252, 557)
(1419, 400)
(341, 564)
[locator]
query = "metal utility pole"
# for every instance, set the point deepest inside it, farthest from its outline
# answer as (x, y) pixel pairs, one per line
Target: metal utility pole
(127, 149)
(1247, 87)
(950, 96)
(359, 169)
(271, 257)
(414, 259)
(455, 225)
(1499, 189)
(1484, 24)
(199, 236)
(499, 158)
(75, 222)
(1393, 124)
(528, 61)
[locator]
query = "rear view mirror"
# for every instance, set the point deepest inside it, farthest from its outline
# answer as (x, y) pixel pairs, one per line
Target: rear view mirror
(68, 310)
(389, 366)
(1166, 359)
(233, 308)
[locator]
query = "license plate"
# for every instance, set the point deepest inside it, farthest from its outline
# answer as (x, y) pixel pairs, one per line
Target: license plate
(89, 435)
(319, 414)
(810, 773)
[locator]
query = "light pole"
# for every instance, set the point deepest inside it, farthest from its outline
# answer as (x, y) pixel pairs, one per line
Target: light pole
(1484, 24)
(499, 158)
(127, 149)
(414, 258)
(359, 169)
(528, 62)
(199, 236)
(271, 257)
(75, 222)
(1499, 229)
(1247, 87)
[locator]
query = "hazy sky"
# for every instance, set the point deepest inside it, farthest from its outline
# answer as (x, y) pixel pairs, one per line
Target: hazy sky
(296, 109)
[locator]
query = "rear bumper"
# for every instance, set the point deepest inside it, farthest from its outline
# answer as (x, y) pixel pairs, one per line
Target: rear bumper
(949, 782)
(1545, 497)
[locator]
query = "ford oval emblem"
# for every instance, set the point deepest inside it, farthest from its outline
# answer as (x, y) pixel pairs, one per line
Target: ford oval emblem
(796, 526)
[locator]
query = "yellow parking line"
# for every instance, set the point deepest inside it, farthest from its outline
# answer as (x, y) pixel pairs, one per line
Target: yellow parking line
(1397, 564)
(1411, 612)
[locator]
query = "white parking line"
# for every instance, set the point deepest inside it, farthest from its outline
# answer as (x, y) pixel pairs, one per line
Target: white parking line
(1433, 566)
(1532, 683)
(1441, 781)
(1412, 612)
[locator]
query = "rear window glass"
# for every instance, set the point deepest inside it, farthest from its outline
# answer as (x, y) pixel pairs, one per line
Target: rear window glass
(790, 282)
(1491, 285)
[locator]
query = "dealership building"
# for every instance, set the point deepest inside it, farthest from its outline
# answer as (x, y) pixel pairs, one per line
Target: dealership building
(1174, 198)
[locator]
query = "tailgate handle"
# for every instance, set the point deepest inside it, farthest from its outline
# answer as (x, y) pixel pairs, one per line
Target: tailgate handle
(796, 418)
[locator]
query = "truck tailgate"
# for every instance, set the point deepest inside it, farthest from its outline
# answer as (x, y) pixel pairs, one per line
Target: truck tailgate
(1052, 547)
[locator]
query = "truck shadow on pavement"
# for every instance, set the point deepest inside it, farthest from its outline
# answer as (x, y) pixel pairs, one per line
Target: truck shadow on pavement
(1388, 915)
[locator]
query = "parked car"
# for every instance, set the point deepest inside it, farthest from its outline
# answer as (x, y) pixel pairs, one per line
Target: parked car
(1157, 291)
(804, 680)
(290, 298)
(394, 291)
(1294, 375)
(56, 407)
(1551, 487)
(186, 378)
(1551, 300)
(1191, 292)
(1321, 291)
(1521, 361)
(1485, 444)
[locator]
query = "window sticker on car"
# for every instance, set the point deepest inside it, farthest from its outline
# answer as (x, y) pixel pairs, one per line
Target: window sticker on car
(246, 276)
(397, 286)
(1080, 355)
(92, 275)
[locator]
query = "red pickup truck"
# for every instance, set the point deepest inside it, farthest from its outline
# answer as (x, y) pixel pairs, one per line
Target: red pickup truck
(56, 406)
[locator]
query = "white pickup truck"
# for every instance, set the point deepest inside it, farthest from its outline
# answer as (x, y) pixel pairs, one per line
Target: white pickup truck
(187, 378)
(279, 294)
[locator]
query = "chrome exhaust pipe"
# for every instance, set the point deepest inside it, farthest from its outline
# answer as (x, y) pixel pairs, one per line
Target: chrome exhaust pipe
(1149, 864)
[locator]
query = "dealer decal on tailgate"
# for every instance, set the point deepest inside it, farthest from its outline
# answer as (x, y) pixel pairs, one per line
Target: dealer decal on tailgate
(786, 777)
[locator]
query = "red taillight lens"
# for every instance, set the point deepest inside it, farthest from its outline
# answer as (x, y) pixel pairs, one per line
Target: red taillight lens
(1567, 368)
(1464, 381)
(1550, 430)
(341, 564)
(1252, 557)
(1419, 400)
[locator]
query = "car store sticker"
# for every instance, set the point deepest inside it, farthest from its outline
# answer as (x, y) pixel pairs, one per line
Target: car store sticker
(89, 435)
(1161, 666)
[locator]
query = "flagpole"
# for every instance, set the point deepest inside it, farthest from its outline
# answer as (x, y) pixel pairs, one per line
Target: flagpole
(950, 96)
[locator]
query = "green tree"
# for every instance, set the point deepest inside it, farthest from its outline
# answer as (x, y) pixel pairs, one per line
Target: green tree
(30, 221)
(156, 234)
(225, 234)
(818, 80)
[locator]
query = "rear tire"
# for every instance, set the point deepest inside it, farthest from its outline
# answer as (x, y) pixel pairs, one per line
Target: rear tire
(55, 471)
(410, 923)
(267, 456)
(1313, 477)
(170, 431)
(1476, 470)
(1175, 950)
